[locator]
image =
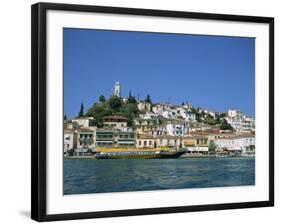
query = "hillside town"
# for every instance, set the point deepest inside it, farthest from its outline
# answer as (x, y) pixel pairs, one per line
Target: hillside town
(127, 122)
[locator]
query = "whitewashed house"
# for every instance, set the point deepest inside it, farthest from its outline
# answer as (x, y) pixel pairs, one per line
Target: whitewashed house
(245, 144)
(144, 106)
(190, 117)
(115, 122)
(68, 141)
(86, 141)
(241, 124)
(148, 115)
(169, 114)
(235, 113)
(83, 121)
(161, 108)
(177, 127)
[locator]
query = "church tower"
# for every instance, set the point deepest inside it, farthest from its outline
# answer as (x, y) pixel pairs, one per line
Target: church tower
(117, 90)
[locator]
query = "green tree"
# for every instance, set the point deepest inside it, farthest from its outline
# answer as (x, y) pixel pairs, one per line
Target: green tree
(198, 115)
(148, 99)
(115, 103)
(131, 99)
(218, 120)
(65, 117)
(99, 111)
(212, 147)
(114, 106)
(102, 99)
(223, 115)
(225, 126)
(130, 111)
(209, 120)
(81, 112)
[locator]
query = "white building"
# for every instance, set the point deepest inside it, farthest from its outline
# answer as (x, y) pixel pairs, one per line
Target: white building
(190, 117)
(86, 141)
(188, 106)
(239, 121)
(180, 112)
(83, 121)
(243, 143)
(68, 140)
(144, 106)
(198, 126)
(160, 131)
(160, 108)
(241, 124)
(169, 114)
(143, 125)
(235, 113)
(213, 114)
(146, 141)
(148, 115)
(117, 89)
(177, 127)
(115, 122)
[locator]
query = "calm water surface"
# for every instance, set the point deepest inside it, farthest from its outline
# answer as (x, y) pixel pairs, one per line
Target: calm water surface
(100, 176)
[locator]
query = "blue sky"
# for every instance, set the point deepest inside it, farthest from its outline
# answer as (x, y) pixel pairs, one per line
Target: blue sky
(212, 72)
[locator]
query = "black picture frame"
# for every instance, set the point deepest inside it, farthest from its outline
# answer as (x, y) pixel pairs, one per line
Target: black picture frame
(39, 122)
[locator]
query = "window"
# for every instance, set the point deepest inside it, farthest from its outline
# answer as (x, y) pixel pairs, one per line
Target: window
(144, 143)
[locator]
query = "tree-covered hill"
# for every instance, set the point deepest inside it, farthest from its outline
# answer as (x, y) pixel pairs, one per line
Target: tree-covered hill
(114, 106)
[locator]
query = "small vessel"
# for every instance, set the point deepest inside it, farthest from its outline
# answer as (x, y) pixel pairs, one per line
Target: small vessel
(133, 153)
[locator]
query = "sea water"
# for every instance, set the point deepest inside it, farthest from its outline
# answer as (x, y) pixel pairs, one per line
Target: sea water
(84, 176)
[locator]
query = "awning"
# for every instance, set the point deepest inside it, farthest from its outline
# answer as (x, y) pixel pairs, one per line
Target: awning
(126, 143)
(197, 149)
(234, 149)
(104, 141)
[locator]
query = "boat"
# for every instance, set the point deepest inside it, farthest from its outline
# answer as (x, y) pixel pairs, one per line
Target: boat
(133, 153)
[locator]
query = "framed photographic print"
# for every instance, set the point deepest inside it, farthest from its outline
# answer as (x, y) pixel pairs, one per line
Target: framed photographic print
(139, 111)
